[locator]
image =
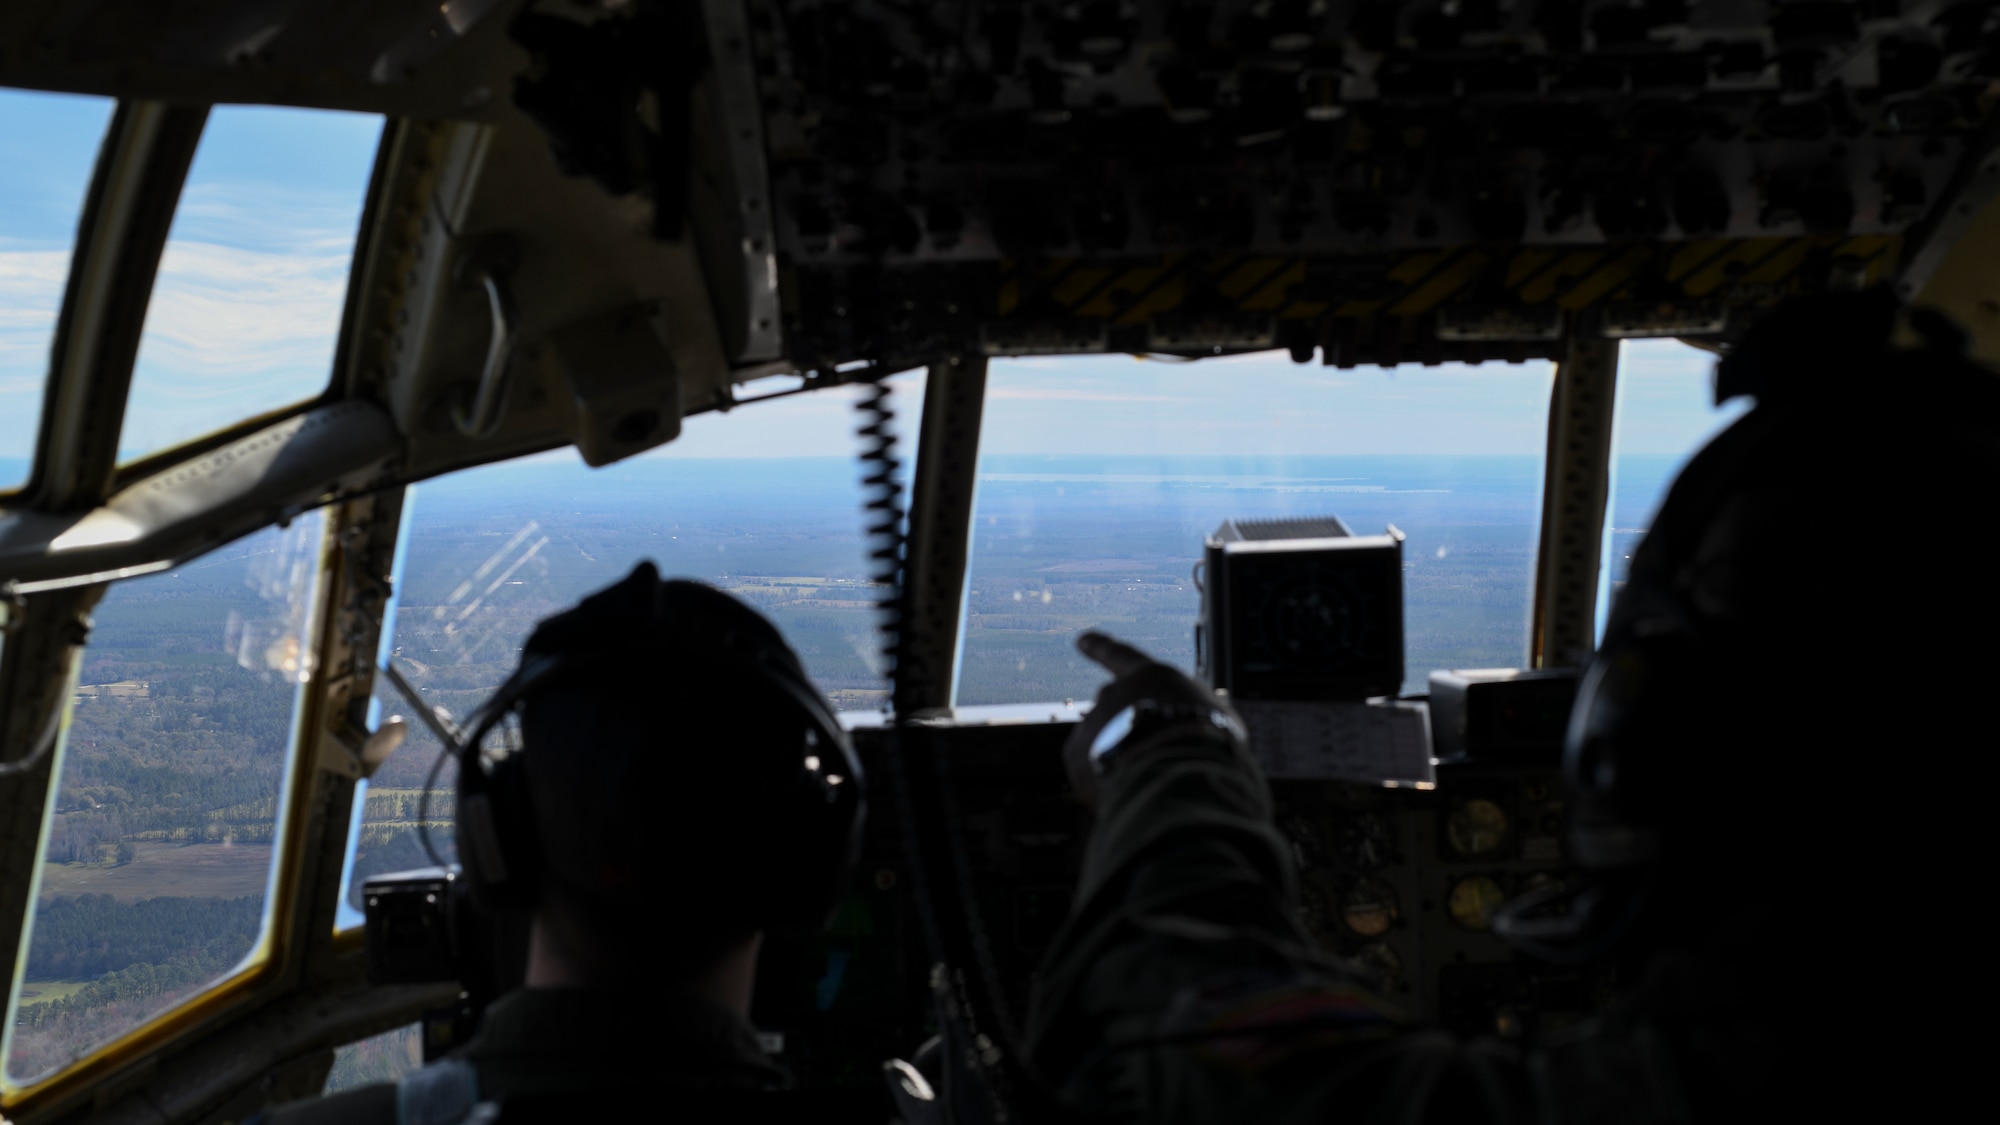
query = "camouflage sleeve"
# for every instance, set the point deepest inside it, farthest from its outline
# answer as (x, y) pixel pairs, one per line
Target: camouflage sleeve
(367, 1105)
(1182, 987)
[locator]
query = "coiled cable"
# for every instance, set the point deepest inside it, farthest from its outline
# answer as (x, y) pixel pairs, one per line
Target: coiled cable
(966, 982)
(882, 513)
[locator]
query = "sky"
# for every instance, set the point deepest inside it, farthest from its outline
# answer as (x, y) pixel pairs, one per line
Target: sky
(1251, 404)
(246, 311)
(48, 145)
(248, 304)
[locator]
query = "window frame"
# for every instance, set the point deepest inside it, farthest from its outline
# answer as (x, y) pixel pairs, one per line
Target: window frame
(142, 166)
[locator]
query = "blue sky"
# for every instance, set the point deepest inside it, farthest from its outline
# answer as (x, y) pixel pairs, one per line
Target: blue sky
(48, 145)
(247, 307)
(248, 303)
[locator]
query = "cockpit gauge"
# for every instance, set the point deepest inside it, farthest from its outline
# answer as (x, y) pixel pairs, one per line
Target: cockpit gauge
(1366, 842)
(1308, 846)
(1314, 913)
(1368, 907)
(1539, 881)
(1473, 901)
(1382, 962)
(1477, 828)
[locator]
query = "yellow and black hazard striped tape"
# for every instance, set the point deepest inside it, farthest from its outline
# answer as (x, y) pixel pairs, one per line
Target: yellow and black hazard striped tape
(1736, 272)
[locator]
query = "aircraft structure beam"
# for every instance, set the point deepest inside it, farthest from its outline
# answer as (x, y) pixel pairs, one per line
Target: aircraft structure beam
(1575, 491)
(940, 536)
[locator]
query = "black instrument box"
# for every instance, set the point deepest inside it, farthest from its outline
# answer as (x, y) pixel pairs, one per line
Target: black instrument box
(412, 926)
(1301, 609)
(1501, 714)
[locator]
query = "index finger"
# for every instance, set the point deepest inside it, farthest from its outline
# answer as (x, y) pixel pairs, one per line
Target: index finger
(1117, 657)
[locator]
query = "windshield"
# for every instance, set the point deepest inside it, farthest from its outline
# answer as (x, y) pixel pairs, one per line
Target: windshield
(170, 793)
(245, 311)
(1100, 477)
(1666, 413)
(764, 503)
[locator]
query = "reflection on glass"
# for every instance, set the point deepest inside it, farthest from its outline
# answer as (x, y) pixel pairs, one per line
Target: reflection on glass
(1100, 476)
(48, 146)
(247, 305)
(775, 519)
(380, 1058)
(1666, 413)
(158, 856)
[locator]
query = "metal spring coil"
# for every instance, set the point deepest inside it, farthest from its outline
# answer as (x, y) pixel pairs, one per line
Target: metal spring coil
(933, 827)
(882, 513)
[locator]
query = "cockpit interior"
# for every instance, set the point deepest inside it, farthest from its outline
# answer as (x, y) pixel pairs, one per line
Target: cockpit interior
(340, 343)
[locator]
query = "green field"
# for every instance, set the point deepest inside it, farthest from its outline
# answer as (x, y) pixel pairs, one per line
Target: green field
(195, 871)
(44, 991)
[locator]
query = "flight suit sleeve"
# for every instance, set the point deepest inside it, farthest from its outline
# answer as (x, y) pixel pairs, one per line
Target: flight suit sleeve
(1185, 884)
(1183, 988)
(367, 1105)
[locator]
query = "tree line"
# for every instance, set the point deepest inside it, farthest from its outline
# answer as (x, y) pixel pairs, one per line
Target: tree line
(92, 935)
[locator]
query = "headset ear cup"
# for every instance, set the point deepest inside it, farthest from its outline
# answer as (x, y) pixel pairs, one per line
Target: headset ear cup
(499, 851)
(818, 862)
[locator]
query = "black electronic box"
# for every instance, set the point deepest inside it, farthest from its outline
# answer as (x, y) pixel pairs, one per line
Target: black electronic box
(1301, 609)
(1501, 714)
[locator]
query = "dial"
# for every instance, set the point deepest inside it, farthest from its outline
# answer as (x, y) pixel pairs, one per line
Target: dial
(1539, 881)
(1369, 907)
(1473, 901)
(1477, 827)
(1308, 848)
(1366, 842)
(1314, 914)
(1383, 963)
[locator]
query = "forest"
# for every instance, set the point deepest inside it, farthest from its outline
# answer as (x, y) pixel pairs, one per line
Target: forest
(137, 957)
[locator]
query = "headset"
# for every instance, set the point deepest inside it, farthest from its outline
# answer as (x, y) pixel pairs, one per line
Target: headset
(819, 808)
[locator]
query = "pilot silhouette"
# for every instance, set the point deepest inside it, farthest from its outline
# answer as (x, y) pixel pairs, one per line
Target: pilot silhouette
(1748, 767)
(681, 786)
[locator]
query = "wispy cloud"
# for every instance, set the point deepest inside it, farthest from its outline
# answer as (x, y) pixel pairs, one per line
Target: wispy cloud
(245, 312)
(31, 287)
(266, 218)
(222, 315)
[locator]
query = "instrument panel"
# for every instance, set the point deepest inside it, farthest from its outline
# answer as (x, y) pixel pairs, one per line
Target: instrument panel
(1403, 883)
(1397, 882)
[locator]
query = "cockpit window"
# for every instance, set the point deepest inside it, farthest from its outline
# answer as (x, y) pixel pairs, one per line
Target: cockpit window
(48, 146)
(764, 503)
(1100, 476)
(158, 857)
(1666, 413)
(247, 305)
